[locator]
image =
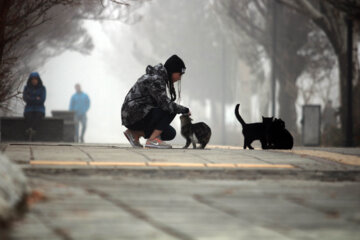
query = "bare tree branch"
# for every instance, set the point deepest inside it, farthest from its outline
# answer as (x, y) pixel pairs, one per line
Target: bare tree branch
(30, 28)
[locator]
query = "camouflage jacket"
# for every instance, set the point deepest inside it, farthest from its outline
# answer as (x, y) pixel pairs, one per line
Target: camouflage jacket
(148, 92)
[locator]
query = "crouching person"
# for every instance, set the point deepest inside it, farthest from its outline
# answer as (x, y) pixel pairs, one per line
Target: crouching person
(147, 110)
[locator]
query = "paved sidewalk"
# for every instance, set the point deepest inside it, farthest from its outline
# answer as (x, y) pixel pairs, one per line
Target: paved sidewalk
(13, 193)
(101, 207)
(95, 191)
(93, 156)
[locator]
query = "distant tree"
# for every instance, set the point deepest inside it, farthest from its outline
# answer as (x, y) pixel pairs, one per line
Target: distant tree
(254, 18)
(34, 30)
(318, 81)
(331, 17)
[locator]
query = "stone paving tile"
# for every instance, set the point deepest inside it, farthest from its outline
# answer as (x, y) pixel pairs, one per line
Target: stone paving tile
(31, 228)
(18, 153)
(347, 150)
(58, 153)
(113, 154)
(229, 156)
(173, 155)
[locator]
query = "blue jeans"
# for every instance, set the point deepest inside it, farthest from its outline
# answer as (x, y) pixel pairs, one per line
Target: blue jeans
(80, 119)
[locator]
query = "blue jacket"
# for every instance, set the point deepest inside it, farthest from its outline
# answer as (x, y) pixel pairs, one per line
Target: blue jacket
(80, 103)
(34, 96)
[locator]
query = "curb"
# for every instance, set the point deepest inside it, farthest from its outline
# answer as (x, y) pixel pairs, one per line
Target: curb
(195, 173)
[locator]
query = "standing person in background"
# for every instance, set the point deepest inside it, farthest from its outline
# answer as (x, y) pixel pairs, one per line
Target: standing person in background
(34, 96)
(80, 104)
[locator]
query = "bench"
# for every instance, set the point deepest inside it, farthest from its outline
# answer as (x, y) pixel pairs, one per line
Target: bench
(69, 124)
(13, 129)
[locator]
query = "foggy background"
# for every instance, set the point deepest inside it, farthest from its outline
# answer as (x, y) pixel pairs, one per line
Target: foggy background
(218, 74)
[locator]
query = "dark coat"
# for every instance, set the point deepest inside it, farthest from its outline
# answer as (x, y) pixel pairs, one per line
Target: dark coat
(34, 96)
(148, 92)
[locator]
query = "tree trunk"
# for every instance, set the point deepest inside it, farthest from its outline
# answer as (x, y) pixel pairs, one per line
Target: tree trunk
(356, 85)
(342, 61)
(356, 113)
(343, 71)
(342, 58)
(4, 9)
(288, 93)
(289, 69)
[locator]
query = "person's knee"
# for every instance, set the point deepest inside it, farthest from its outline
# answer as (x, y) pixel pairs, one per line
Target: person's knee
(168, 134)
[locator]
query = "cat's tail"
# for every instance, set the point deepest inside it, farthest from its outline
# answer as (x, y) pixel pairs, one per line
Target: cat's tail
(243, 123)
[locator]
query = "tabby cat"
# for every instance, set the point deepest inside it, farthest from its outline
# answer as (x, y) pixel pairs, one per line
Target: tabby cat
(201, 131)
(255, 131)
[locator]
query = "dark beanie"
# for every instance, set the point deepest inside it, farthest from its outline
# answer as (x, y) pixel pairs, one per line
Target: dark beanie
(175, 65)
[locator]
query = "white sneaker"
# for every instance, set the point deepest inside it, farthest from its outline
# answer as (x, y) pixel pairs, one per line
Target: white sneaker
(157, 143)
(131, 139)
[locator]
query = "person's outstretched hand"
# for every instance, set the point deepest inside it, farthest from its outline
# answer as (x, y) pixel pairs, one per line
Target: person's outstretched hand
(186, 111)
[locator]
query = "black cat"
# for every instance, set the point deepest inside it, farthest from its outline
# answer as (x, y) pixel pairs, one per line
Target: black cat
(254, 131)
(278, 136)
(201, 131)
